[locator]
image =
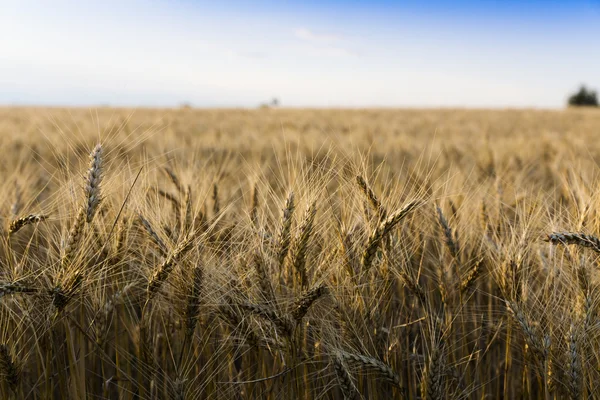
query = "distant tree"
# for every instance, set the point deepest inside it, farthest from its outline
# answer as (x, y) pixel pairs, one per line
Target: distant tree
(584, 97)
(274, 103)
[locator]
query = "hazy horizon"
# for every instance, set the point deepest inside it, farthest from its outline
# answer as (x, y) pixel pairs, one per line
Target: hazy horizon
(335, 54)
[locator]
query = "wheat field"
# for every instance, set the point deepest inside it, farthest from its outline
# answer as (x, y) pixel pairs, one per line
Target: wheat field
(299, 254)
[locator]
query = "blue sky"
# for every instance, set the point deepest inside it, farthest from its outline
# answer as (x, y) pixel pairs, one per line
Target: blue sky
(311, 53)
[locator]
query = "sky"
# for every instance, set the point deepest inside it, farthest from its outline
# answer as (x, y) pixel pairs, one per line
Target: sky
(163, 53)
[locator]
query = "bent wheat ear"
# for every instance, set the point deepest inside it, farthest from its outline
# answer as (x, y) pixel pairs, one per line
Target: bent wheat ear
(580, 239)
(92, 186)
(11, 288)
(19, 223)
(283, 324)
(383, 230)
(374, 364)
(304, 303)
(344, 378)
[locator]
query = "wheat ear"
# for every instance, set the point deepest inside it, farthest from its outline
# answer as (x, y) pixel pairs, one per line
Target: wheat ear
(449, 235)
(300, 246)
(189, 218)
(574, 372)
(153, 235)
(284, 239)
(254, 207)
(432, 385)
(92, 187)
(371, 197)
(8, 366)
(164, 270)
(374, 364)
(9, 288)
(174, 179)
(303, 304)
(263, 280)
(75, 234)
(383, 230)
(215, 196)
(580, 239)
(192, 310)
(19, 223)
(344, 378)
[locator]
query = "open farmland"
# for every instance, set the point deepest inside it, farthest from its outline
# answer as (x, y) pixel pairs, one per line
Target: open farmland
(309, 254)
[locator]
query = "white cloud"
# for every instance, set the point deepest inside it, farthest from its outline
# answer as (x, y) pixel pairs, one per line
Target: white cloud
(324, 44)
(308, 35)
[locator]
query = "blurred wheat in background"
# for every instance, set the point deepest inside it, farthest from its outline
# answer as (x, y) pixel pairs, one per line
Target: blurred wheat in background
(299, 254)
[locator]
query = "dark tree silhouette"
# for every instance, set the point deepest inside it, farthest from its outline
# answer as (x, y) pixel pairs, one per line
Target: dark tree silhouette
(584, 97)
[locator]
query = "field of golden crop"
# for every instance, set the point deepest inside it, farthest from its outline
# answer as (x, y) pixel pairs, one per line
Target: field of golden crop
(299, 254)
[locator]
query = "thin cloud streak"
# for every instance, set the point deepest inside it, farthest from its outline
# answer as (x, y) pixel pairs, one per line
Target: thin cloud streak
(307, 34)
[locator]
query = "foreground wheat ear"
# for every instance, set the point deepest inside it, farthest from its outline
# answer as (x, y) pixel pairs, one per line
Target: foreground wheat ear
(383, 229)
(92, 201)
(17, 224)
(92, 187)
